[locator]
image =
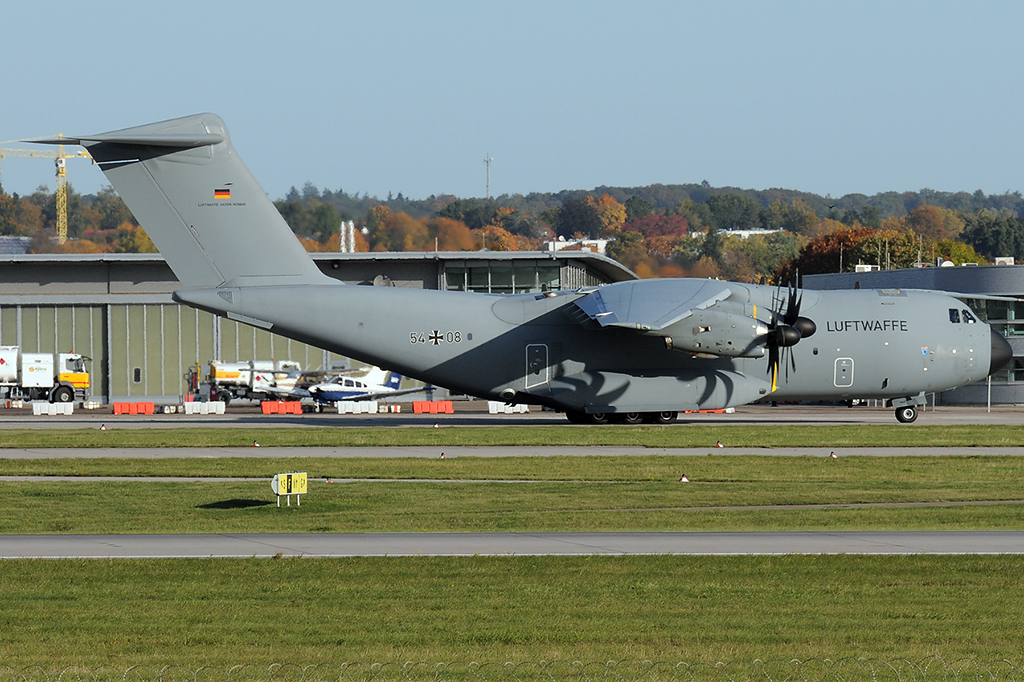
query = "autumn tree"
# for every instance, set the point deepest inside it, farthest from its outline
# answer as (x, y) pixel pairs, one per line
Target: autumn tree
(653, 225)
(935, 223)
(451, 235)
(830, 252)
(612, 215)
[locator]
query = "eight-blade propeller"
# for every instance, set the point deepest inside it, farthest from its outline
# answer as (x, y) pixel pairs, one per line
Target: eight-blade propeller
(785, 330)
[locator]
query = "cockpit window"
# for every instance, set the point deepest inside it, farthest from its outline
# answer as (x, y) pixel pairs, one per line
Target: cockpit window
(968, 317)
(954, 315)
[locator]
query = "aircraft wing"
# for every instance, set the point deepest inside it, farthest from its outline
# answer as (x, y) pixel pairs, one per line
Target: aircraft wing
(290, 392)
(659, 304)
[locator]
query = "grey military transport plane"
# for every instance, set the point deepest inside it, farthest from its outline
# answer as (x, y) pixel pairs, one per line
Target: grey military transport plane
(631, 351)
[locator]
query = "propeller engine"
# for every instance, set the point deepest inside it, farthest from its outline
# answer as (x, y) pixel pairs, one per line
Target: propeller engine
(785, 330)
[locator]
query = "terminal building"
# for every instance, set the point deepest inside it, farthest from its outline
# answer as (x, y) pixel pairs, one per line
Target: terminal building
(117, 308)
(972, 283)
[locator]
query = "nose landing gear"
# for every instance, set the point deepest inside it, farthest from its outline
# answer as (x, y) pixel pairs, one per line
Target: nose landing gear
(906, 414)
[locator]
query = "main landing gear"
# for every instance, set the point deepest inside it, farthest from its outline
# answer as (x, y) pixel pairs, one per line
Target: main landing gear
(629, 418)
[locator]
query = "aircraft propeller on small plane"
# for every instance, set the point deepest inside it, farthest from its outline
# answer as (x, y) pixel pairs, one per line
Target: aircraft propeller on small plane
(785, 330)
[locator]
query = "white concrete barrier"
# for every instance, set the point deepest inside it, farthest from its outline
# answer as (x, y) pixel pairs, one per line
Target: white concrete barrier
(498, 407)
(52, 409)
(357, 407)
(212, 407)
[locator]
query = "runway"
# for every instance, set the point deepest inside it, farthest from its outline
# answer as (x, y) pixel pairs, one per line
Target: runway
(508, 544)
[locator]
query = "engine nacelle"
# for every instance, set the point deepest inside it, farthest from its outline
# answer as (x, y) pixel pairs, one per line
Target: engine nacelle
(714, 332)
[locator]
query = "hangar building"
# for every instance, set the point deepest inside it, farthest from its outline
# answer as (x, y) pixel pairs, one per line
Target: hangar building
(117, 308)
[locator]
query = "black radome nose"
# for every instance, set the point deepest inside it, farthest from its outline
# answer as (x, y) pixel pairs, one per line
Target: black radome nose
(1001, 353)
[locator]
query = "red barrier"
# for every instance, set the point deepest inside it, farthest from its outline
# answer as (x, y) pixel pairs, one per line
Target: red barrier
(281, 407)
(433, 407)
(134, 408)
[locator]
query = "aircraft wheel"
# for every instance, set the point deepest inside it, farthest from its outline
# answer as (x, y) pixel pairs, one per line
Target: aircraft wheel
(631, 418)
(906, 415)
(576, 417)
(63, 394)
(664, 417)
(598, 418)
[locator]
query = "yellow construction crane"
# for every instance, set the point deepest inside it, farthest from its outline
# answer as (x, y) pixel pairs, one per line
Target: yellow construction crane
(60, 159)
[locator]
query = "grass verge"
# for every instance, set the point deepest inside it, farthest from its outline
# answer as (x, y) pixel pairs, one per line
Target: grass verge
(192, 613)
(520, 494)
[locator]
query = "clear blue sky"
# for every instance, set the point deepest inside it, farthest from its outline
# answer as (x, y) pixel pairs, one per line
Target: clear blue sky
(387, 96)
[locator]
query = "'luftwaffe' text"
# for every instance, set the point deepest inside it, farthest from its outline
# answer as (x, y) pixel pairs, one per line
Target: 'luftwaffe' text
(866, 326)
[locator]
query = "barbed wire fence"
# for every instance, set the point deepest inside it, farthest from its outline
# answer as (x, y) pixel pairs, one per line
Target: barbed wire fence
(793, 670)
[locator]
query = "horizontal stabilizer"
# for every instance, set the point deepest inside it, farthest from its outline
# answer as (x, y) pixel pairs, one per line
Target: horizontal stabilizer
(179, 141)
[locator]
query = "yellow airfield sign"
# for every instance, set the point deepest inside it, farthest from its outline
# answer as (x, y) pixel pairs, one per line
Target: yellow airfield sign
(288, 485)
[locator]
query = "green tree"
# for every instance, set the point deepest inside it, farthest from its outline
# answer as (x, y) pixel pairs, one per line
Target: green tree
(579, 216)
(734, 212)
(697, 215)
(993, 235)
(630, 249)
(475, 213)
(8, 214)
(797, 216)
(113, 211)
(637, 207)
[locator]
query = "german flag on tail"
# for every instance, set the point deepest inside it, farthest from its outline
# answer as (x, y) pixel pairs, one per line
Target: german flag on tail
(222, 194)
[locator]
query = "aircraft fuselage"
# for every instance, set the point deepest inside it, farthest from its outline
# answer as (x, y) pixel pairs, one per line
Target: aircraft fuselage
(528, 348)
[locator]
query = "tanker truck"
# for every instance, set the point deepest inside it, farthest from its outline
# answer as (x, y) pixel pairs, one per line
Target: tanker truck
(32, 376)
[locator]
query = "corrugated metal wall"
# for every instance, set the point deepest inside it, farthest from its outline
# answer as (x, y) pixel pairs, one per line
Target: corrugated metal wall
(143, 351)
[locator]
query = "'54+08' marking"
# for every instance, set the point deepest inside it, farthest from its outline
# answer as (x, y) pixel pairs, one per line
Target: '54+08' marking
(436, 337)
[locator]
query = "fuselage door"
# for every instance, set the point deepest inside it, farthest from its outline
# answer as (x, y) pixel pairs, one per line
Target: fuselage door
(536, 366)
(844, 372)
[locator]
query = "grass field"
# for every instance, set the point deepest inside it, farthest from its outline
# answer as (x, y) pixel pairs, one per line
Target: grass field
(303, 611)
(686, 435)
(520, 494)
(194, 613)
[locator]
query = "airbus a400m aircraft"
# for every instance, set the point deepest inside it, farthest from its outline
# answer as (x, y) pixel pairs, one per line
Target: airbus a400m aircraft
(630, 351)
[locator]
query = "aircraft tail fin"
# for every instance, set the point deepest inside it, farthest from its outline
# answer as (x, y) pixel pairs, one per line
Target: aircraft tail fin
(199, 203)
(375, 376)
(394, 380)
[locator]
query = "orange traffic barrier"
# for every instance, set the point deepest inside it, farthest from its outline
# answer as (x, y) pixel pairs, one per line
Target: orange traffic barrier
(433, 407)
(281, 407)
(134, 408)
